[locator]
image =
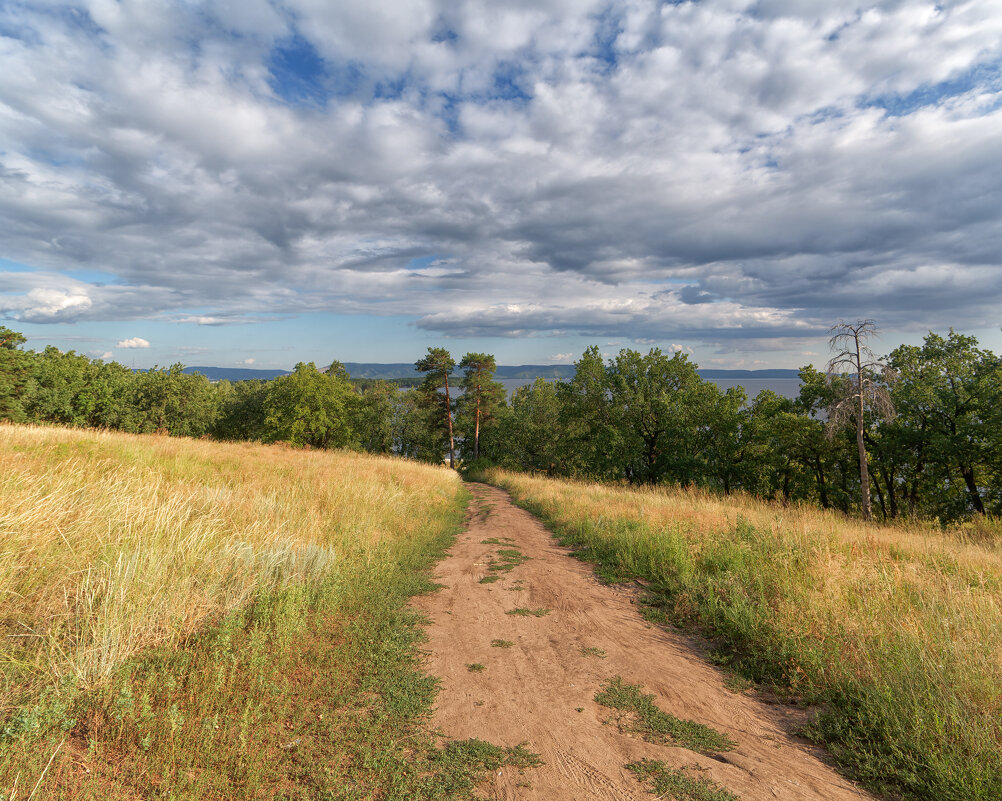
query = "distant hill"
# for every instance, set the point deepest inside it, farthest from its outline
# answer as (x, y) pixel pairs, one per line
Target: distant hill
(406, 370)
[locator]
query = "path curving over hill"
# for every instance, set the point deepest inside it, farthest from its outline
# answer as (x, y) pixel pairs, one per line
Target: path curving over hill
(540, 689)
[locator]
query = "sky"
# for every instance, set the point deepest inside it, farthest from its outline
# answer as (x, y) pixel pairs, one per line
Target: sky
(258, 183)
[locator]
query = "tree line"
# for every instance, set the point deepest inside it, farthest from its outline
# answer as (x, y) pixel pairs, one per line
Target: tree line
(931, 447)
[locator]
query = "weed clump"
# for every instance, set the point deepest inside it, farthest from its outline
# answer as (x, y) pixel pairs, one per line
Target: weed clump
(678, 783)
(646, 719)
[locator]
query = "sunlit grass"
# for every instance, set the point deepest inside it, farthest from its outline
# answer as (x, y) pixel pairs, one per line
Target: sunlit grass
(895, 631)
(187, 616)
(111, 543)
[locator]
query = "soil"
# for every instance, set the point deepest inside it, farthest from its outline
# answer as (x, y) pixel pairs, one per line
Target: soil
(540, 691)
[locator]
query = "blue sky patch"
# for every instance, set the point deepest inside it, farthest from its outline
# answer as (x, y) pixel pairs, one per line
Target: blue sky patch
(987, 77)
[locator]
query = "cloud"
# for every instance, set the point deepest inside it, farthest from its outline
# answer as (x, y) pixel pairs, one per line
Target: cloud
(101, 354)
(133, 342)
(562, 358)
(247, 362)
(506, 169)
(44, 305)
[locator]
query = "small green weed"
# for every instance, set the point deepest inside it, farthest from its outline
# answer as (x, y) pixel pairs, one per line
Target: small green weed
(524, 611)
(593, 651)
(496, 541)
(516, 586)
(476, 667)
(676, 783)
(510, 558)
(501, 643)
(489, 579)
(657, 726)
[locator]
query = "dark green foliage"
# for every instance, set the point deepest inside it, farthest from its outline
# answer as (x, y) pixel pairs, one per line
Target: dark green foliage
(656, 726)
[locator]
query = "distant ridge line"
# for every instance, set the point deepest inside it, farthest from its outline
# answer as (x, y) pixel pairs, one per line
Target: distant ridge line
(406, 370)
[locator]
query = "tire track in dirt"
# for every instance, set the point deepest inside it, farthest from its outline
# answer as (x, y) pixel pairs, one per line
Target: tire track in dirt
(541, 690)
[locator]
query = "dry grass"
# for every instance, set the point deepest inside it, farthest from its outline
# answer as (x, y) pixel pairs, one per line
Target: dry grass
(111, 543)
(897, 629)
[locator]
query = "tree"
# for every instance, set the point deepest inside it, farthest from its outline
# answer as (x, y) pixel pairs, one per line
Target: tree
(15, 367)
(949, 393)
(864, 388)
(589, 439)
(660, 406)
(308, 407)
(168, 399)
(481, 394)
(438, 364)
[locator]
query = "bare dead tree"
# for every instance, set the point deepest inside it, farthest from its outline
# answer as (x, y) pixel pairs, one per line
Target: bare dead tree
(864, 387)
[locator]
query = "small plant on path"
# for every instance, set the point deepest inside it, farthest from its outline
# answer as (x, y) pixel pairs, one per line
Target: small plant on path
(676, 783)
(476, 667)
(501, 643)
(489, 579)
(524, 611)
(593, 651)
(655, 725)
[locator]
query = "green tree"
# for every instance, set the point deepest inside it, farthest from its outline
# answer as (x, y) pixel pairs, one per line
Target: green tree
(241, 409)
(438, 365)
(481, 394)
(659, 405)
(949, 392)
(589, 438)
(169, 400)
(308, 407)
(377, 416)
(523, 437)
(15, 373)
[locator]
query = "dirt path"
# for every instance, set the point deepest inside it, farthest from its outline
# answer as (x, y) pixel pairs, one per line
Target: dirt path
(532, 691)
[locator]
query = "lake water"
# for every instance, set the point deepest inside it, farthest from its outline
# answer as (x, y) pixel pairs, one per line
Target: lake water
(787, 387)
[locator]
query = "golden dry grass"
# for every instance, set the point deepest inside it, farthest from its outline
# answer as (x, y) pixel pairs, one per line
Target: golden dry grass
(111, 543)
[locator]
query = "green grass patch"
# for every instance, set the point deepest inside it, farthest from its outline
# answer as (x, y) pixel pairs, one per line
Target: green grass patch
(593, 651)
(524, 611)
(501, 643)
(508, 559)
(489, 579)
(476, 667)
(646, 719)
(496, 541)
(681, 784)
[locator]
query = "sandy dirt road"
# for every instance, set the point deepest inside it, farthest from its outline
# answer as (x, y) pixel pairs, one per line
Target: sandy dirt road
(532, 691)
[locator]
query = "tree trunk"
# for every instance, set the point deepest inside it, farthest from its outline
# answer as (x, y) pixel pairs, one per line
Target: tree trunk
(819, 471)
(864, 476)
(476, 429)
(972, 488)
(448, 416)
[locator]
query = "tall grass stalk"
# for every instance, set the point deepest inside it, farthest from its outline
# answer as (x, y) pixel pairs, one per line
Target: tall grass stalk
(894, 632)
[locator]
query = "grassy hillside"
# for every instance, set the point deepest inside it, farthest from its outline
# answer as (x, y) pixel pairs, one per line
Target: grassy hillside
(187, 619)
(895, 633)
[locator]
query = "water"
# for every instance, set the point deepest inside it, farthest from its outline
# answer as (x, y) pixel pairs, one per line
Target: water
(787, 387)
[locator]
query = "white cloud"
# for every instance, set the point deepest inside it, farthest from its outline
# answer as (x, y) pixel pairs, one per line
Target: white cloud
(563, 358)
(45, 305)
(133, 342)
(560, 163)
(247, 362)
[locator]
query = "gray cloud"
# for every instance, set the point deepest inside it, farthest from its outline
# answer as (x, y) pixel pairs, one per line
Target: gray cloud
(699, 171)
